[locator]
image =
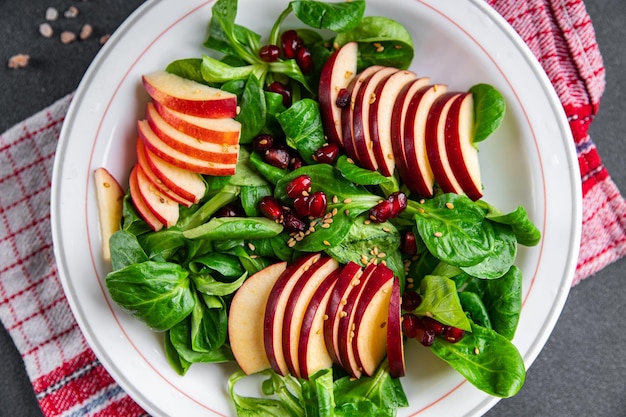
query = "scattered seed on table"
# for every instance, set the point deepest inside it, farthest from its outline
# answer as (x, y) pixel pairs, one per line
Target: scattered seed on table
(18, 61)
(68, 37)
(46, 30)
(105, 38)
(85, 31)
(71, 13)
(52, 14)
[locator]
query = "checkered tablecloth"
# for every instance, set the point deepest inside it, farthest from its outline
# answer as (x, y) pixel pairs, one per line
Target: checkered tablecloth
(67, 378)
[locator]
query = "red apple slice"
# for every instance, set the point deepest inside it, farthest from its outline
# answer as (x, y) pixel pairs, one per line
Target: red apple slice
(349, 276)
(110, 200)
(398, 117)
(245, 319)
(369, 342)
(177, 158)
(363, 101)
(436, 144)
(187, 184)
(207, 151)
(337, 72)
(164, 208)
(275, 311)
(347, 113)
(142, 160)
(460, 150)
(295, 309)
(421, 177)
(140, 205)
(220, 131)
(385, 95)
(190, 97)
(395, 341)
(312, 352)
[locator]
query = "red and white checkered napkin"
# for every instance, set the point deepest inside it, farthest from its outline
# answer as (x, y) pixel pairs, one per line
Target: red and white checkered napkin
(68, 379)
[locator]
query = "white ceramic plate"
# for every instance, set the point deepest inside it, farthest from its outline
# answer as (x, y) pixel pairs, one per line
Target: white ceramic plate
(529, 161)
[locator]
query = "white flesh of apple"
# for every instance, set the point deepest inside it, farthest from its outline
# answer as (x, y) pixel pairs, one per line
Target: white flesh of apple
(380, 114)
(462, 154)
(296, 305)
(142, 160)
(190, 97)
(361, 127)
(223, 131)
(245, 319)
(139, 202)
(207, 151)
(395, 342)
(164, 208)
(398, 117)
(161, 149)
(312, 352)
(109, 199)
(275, 312)
(421, 177)
(436, 144)
(336, 75)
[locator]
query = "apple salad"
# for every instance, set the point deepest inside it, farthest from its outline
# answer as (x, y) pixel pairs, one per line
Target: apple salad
(303, 203)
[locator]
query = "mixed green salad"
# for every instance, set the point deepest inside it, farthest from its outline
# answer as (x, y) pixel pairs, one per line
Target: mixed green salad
(454, 257)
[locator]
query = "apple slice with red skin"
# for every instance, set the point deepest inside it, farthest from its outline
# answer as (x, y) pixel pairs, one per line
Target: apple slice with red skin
(207, 151)
(312, 352)
(350, 274)
(187, 184)
(345, 333)
(387, 92)
(347, 113)
(245, 319)
(421, 177)
(109, 199)
(460, 150)
(436, 143)
(275, 311)
(140, 205)
(398, 117)
(142, 160)
(370, 321)
(190, 97)
(395, 341)
(360, 117)
(155, 145)
(164, 208)
(224, 131)
(337, 72)
(296, 305)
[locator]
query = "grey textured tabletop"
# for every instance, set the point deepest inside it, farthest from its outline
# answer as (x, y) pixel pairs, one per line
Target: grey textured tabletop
(580, 371)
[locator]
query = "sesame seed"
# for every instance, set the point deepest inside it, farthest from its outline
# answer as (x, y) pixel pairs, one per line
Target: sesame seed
(343, 314)
(382, 255)
(386, 229)
(325, 226)
(333, 213)
(450, 206)
(326, 243)
(251, 246)
(350, 160)
(347, 200)
(367, 221)
(437, 234)
(335, 199)
(346, 212)
(476, 351)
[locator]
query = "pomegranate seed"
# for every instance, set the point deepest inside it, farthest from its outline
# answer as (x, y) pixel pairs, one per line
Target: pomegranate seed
(411, 300)
(398, 202)
(304, 59)
(277, 157)
(317, 204)
(280, 88)
(291, 43)
(409, 243)
(410, 325)
(301, 205)
(327, 154)
(270, 207)
(229, 210)
(298, 185)
(262, 142)
(381, 212)
(432, 324)
(343, 98)
(454, 334)
(269, 53)
(427, 337)
(293, 223)
(296, 162)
